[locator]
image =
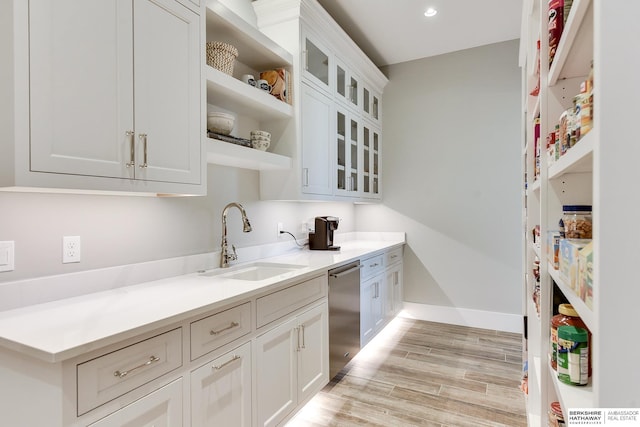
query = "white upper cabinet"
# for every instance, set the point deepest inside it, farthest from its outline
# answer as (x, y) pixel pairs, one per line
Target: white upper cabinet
(316, 61)
(328, 66)
(317, 110)
(109, 90)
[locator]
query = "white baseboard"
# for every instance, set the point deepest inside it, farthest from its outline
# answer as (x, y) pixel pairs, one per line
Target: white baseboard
(463, 316)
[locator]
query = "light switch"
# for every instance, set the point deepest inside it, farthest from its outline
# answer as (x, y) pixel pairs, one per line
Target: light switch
(7, 256)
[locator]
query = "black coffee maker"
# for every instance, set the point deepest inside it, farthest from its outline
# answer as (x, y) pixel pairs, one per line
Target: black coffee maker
(322, 239)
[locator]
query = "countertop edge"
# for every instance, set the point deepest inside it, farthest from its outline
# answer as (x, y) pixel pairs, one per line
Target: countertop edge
(16, 326)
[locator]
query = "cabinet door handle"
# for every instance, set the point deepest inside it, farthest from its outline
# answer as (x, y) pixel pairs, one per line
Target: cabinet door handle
(302, 329)
(132, 149)
(122, 374)
(233, 359)
(143, 138)
(305, 178)
(219, 331)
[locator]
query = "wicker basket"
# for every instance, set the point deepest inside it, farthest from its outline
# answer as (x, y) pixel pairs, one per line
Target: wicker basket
(221, 56)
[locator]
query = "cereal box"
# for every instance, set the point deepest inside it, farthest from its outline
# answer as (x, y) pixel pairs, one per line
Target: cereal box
(553, 248)
(569, 253)
(585, 274)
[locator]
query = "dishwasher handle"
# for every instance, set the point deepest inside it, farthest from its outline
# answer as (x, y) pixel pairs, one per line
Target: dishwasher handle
(345, 272)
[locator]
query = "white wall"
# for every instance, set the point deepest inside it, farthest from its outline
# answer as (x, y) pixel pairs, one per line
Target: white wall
(118, 230)
(451, 165)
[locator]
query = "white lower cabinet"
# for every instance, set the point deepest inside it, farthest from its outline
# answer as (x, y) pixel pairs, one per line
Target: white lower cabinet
(291, 364)
(393, 287)
(254, 362)
(162, 407)
(372, 316)
(221, 390)
(394, 282)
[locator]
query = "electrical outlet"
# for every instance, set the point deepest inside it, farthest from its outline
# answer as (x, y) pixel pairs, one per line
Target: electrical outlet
(280, 228)
(70, 249)
(304, 228)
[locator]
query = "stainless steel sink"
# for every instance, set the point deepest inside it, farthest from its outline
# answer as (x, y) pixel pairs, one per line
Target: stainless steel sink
(255, 271)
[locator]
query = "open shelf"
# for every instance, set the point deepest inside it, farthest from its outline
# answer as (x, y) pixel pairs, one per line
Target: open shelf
(237, 96)
(586, 314)
(228, 154)
(575, 50)
(255, 49)
(571, 396)
(578, 159)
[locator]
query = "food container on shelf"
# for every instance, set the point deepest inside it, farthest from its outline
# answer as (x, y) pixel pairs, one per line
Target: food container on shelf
(576, 222)
(569, 254)
(221, 123)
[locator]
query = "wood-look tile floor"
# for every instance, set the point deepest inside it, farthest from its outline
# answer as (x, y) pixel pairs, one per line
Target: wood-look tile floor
(417, 373)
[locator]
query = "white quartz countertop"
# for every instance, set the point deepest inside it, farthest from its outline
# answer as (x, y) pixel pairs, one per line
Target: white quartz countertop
(58, 330)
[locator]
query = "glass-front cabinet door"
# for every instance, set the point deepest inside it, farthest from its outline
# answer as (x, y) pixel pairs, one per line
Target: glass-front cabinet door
(375, 107)
(370, 104)
(316, 62)
(370, 161)
(348, 85)
(347, 161)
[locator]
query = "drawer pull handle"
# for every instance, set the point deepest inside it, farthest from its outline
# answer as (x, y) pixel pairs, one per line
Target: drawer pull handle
(219, 331)
(394, 256)
(233, 359)
(122, 374)
(373, 265)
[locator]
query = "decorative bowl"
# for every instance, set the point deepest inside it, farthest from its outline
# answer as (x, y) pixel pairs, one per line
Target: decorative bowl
(260, 144)
(262, 133)
(220, 122)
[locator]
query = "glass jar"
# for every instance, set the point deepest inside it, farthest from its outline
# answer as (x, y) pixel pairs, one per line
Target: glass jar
(576, 222)
(566, 316)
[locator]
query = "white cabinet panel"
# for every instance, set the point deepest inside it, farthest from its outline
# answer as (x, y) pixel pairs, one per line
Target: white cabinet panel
(221, 390)
(276, 373)
(317, 111)
(80, 110)
(292, 364)
(167, 91)
(313, 363)
(163, 407)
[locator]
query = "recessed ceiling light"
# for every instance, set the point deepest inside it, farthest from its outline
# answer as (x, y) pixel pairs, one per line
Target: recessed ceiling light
(430, 12)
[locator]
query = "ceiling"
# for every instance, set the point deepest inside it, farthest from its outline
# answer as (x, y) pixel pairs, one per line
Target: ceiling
(393, 31)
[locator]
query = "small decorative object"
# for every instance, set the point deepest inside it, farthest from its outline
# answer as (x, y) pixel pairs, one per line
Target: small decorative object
(279, 83)
(260, 144)
(248, 79)
(219, 122)
(221, 56)
(260, 139)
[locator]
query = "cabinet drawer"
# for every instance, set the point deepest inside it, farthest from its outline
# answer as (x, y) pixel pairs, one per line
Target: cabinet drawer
(372, 266)
(219, 329)
(278, 304)
(114, 374)
(393, 256)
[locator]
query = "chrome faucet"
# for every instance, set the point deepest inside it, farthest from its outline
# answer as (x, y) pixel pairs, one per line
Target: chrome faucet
(225, 256)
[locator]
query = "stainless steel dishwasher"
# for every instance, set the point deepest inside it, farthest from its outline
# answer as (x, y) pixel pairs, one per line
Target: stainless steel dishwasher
(344, 315)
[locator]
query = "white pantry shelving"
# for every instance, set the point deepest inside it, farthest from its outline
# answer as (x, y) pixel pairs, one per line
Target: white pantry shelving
(599, 170)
